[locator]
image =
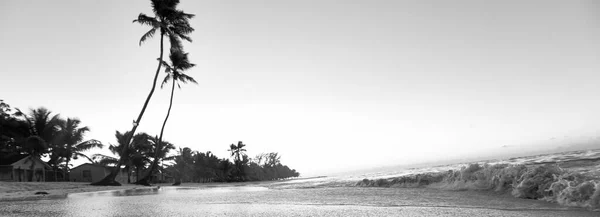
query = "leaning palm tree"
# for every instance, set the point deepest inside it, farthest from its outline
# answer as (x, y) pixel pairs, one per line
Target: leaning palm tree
(172, 23)
(128, 155)
(175, 73)
(71, 139)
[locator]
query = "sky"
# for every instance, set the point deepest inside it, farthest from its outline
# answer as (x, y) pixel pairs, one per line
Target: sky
(330, 85)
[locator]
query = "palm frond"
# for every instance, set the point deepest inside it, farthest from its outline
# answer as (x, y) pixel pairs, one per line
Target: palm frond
(166, 80)
(87, 145)
(185, 79)
(77, 154)
(168, 67)
(146, 20)
(175, 41)
(148, 35)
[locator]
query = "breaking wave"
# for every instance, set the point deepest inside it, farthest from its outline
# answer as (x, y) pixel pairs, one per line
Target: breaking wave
(570, 179)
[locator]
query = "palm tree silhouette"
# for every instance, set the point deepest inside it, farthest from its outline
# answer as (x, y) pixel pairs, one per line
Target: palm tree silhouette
(70, 139)
(130, 155)
(42, 134)
(172, 23)
(175, 73)
(238, 151)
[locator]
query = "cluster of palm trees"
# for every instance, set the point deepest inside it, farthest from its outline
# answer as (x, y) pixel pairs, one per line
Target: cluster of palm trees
(40, 132)
(43, 133)
(136, 157)
(194, 166)
(173, 24)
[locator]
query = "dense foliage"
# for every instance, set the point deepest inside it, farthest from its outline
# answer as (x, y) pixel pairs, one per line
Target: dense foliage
(42, 133)
(194, 166)
(45, 134)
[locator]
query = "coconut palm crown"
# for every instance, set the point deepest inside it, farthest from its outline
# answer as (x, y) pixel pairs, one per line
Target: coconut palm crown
(170, 21)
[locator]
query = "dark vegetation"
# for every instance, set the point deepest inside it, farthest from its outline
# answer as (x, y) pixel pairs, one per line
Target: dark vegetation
(193, 166)
(42, 133)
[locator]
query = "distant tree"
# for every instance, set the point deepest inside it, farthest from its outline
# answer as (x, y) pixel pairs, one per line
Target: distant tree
(35, 146)
(42, 123)
(183, 165)
(237, 151)
(130, 156)
(43, 131)
(170, 22)
(70, 142)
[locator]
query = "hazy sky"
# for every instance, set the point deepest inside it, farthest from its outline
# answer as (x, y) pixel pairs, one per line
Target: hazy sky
(330, 85)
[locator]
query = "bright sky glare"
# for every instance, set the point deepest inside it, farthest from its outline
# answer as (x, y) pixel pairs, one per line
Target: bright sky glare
(330, 85)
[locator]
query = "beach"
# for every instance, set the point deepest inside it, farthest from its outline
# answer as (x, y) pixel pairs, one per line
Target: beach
(266, 199)
(12, 191)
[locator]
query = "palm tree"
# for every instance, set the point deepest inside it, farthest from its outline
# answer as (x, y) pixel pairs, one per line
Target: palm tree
(237, 151)
(184, 161)
(34, 146)
(127, 155)
(71, 141)
(172, 23)
(175, 73)
(43, 131)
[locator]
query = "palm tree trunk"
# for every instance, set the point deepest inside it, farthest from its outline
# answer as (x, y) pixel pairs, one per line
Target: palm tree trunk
(67, 169)
(110, 179)
(128, 174)
(145, 180)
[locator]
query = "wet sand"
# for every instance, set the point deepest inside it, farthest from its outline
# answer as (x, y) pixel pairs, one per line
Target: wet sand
(14, 191)
(256, 200)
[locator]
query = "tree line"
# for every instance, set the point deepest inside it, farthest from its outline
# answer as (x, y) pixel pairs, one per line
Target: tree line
(41, 132)
(194, 166)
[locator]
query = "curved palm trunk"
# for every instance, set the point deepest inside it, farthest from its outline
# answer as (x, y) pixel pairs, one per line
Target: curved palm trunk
(146, 179)
(110, 179)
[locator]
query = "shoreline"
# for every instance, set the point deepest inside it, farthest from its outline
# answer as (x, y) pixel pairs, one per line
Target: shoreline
(23, 191)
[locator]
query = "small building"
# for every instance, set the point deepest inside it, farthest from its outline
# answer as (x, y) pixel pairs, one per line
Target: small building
(17, 168)
(162, 177)
(93, 172)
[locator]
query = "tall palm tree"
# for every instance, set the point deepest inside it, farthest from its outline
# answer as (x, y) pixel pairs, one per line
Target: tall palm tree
(72, 143)
(175, 73)
(170, 22)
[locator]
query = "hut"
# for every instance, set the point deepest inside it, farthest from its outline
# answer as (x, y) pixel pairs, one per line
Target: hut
(18, 168)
